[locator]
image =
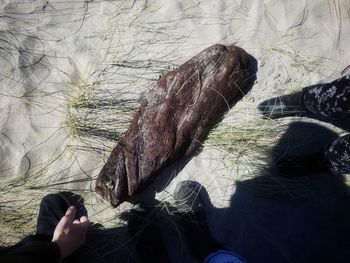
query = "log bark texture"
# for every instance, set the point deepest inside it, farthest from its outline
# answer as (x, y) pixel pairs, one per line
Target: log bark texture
(175, 118)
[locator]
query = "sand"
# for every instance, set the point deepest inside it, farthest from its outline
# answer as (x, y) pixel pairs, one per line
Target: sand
(72, 72)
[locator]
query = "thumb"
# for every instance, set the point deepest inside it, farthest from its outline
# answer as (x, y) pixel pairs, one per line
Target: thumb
(84, 223)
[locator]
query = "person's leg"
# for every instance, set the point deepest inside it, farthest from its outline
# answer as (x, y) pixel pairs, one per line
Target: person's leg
(191, 199)
(52, 208)
(330, 100)
(143, 227)
(337, 155)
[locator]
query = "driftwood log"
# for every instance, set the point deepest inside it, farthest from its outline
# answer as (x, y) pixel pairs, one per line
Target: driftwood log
(175, 118)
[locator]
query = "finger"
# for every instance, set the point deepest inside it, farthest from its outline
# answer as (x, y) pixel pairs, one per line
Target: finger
(76, 221)
(70, 214)
(83, 219)
(67, 218)
(83, 226)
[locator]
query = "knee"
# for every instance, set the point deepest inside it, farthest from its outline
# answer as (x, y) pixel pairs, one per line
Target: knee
(52, 200)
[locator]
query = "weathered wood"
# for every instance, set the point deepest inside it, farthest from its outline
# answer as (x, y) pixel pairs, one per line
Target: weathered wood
(175, 118)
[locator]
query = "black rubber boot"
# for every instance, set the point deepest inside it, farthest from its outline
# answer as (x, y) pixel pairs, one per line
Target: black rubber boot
(188, 197)
(283, 106)
(143, 227)
(190, 200)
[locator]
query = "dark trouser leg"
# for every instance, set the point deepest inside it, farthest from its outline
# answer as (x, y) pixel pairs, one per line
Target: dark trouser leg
(337, 155)
(52, 208)
(143, 226)
(191, 198)
(197, 234)
(331, 100)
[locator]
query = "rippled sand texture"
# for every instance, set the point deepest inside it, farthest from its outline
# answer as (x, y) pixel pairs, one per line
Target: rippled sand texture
(72, 73)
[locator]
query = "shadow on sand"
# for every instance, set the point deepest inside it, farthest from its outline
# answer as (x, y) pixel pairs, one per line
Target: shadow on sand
(287, 214)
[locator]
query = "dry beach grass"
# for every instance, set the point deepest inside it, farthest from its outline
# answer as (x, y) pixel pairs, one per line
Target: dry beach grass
(72, 74)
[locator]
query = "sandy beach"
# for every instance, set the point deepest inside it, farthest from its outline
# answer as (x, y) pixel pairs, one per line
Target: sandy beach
(73, 72)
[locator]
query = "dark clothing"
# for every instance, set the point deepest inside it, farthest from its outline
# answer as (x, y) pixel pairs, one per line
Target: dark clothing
(39, 248)
(337, 155)
(332, 100)
(33, 251)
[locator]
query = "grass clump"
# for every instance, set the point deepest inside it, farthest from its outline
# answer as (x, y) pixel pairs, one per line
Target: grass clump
(253, 138)
(93, 111)
(17, 214)
(15, 223)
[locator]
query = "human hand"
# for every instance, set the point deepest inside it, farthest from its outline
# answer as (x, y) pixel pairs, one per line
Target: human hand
(69, 233)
